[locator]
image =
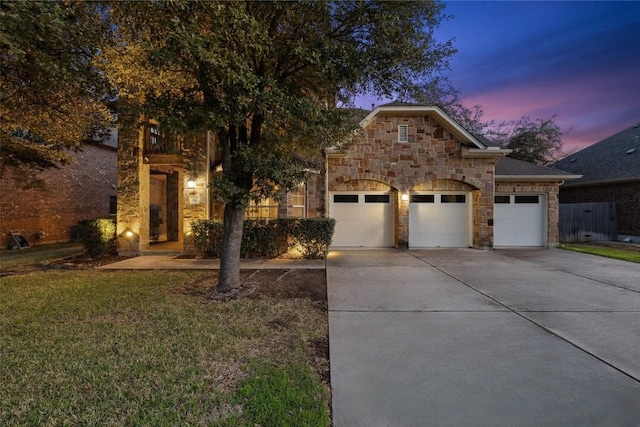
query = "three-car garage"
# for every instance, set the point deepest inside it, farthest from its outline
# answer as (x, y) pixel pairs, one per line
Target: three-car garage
(436, 219)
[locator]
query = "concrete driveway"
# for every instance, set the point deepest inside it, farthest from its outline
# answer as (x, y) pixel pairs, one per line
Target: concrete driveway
(478, 338)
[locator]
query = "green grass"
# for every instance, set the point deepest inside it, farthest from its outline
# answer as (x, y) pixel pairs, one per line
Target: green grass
(605, 251)
(11, 259)
(140, 348)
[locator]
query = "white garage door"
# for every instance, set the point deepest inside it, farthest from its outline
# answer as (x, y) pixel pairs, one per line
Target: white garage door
(518, 220)
(439, 220)
(363, 219)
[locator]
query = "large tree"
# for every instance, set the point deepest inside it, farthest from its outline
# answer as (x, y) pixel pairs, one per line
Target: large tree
(52, 96)
(266, 77)
(536, 141)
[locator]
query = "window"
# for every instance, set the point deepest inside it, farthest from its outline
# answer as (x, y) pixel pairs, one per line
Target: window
(502, 199)
(422, 198)
(453, 198)
(264, 209)
(113, 205)
(527, 199)
(298, 205)
(154, 137)
(345, 198)
(376, 198)
(403, 133)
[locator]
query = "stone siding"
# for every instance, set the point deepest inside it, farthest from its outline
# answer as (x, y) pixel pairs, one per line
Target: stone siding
(550, 189)
(432, 159)
(137, 190)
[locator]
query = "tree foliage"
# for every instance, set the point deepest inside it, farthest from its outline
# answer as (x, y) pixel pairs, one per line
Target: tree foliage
(536, 141)
(52, 96)
(266, 76)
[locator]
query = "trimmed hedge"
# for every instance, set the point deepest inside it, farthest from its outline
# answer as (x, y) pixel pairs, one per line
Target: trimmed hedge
(267, 238)
(98, 236)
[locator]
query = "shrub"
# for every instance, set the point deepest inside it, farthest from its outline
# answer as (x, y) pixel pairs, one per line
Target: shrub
(207, 237)
(267, 238)
(98, 236)
(314, 236)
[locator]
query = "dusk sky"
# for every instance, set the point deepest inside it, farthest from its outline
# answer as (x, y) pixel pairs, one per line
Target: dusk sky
(577, 59)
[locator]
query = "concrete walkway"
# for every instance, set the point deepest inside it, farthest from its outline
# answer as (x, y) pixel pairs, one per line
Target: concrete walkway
(166, 262)
(479, 338)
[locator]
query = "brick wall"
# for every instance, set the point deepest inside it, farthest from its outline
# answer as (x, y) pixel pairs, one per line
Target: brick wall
(76, 191)
(626, 196)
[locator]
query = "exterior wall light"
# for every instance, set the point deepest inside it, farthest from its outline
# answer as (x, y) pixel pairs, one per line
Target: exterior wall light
(191, 183)
(128, 234)
(405, 197)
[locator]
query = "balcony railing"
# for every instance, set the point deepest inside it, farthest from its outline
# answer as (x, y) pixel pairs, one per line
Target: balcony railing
(161, 143)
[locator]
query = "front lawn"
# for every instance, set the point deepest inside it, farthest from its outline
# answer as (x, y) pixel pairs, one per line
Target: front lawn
(625, 253)
(28, 257)
(87, 347)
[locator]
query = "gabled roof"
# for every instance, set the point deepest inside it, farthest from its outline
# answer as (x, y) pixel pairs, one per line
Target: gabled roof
(616, 158)
(509, 169)
(398, 108)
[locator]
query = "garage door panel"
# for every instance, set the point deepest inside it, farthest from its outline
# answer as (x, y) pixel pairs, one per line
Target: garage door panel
(519, 220)
(367, 223)
(439, 220)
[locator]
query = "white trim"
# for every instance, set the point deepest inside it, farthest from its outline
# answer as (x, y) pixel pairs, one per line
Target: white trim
(432, 111)
(403, 133)
(552, 178)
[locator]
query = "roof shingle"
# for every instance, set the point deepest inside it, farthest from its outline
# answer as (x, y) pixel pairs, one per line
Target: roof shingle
(614, 158)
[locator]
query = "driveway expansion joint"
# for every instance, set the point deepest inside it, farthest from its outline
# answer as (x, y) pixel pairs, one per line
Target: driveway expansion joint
(520, 314)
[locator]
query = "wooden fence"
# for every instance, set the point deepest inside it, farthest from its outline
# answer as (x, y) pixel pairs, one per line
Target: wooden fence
(584, 222)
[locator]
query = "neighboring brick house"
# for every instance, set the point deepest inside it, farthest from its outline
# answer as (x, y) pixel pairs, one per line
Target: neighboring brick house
(610, 172)
(85, 188)
(415, 178)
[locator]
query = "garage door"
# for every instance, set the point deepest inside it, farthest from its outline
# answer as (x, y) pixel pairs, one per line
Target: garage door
(439, 220)
(518, 220)
(363, 219)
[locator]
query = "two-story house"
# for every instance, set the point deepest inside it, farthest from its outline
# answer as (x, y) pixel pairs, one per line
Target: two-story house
(415, 178)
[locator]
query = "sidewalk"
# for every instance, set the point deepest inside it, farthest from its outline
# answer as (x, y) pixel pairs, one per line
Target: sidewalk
(166, 262)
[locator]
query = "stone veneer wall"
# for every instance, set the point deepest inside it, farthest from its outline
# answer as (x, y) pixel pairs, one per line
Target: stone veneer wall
(79, 190)
(432, 153)
(134, 189)
(194, 203)
(131, 194)
(553, 206)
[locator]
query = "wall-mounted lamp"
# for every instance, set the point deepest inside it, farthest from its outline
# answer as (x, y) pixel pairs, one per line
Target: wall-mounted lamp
(127, 233)
(191, 182)
(405, 197)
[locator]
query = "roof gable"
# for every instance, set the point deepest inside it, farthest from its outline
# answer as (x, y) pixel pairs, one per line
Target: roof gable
(436, 113)
(616, 158)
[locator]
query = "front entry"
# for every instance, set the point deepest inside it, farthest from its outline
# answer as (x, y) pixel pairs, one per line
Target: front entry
(163, 206)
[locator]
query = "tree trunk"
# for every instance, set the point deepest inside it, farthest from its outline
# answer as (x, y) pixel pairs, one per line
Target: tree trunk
(229, 277)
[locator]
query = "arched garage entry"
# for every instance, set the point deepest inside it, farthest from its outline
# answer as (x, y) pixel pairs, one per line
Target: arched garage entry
(364, 214)
(441, 215)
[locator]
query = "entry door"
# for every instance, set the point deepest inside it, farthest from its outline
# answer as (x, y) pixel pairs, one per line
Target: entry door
(363, 219)
(172, 206)
(440, 220)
